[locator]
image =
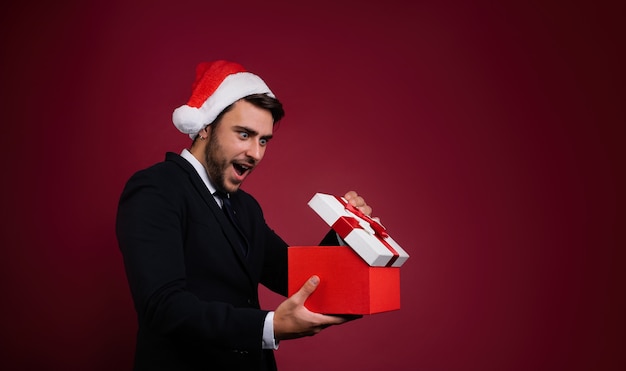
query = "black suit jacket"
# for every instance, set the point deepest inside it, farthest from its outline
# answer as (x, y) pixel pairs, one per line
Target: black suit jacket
(195, 293)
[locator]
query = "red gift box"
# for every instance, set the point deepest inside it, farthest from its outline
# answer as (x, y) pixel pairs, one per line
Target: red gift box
(348, 285)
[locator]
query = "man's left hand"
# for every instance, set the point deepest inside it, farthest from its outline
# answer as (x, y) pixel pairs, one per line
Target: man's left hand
(357, 201)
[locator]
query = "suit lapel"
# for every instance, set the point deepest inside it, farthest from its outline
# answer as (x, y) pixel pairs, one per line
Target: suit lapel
(209, 200)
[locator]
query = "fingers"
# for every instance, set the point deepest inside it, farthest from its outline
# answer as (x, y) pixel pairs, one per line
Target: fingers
(365, 210)
(329, 320)
(325, 321)
(350, 195)
(359, 202)
(293, 320)
(307, 289)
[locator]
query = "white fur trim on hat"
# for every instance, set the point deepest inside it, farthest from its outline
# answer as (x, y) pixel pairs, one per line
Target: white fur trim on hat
(190, 120)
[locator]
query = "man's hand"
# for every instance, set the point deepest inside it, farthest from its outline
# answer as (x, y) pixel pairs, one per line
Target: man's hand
(357, 201)
(292, 320)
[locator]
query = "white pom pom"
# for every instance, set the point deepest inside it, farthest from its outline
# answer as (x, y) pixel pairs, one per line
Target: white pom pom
(189, 120)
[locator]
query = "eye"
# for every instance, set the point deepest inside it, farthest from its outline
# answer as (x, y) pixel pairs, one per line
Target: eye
(263, 141)
(244, 135)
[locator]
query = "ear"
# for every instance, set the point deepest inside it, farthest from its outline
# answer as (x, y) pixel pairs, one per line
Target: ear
(204, 133)
(200, 142)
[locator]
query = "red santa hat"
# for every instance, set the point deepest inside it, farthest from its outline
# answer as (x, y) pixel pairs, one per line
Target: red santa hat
(218, 84)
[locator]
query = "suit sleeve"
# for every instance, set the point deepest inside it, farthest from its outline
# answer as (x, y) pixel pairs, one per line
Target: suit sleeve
(275, 272)
(150, 231)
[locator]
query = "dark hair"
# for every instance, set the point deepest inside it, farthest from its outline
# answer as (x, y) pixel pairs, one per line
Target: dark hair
(262, 101)
(259, 100)
(266, 102)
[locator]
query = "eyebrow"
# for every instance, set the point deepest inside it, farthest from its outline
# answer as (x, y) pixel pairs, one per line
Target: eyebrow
(253, 132)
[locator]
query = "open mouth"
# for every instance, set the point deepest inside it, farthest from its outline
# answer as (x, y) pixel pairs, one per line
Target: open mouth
(241, 169)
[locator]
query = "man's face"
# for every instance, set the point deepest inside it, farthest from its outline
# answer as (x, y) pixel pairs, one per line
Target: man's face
(237, 144)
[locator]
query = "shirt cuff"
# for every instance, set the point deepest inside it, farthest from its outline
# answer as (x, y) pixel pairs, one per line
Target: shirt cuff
(268, 341)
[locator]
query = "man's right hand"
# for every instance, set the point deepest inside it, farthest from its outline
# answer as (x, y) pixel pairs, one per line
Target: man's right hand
(292, 320)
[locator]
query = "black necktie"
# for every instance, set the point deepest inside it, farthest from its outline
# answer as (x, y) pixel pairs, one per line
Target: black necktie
(227, 207)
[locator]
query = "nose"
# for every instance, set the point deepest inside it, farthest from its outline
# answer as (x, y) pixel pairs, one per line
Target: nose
(255, 151)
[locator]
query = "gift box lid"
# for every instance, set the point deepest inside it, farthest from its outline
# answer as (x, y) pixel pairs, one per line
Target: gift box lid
(366, 236)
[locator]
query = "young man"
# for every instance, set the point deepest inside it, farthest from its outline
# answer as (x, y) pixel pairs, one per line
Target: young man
(196, 247)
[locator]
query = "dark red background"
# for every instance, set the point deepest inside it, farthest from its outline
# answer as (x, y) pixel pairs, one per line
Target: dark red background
(488, 137)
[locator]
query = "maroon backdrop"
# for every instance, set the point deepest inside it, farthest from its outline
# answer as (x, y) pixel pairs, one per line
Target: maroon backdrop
(488, 138)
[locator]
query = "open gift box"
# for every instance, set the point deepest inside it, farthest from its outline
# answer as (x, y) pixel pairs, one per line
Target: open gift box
(347, 285)
(361, 278)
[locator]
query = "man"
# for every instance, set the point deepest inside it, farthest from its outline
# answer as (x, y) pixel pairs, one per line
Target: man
(196, 247)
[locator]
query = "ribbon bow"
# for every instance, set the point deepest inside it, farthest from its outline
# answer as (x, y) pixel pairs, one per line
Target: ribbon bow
(379, 230)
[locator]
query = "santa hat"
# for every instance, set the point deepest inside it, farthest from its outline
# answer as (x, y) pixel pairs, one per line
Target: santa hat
(218, 84)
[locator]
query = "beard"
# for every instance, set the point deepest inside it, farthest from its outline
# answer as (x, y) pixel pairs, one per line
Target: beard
(217, 165)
